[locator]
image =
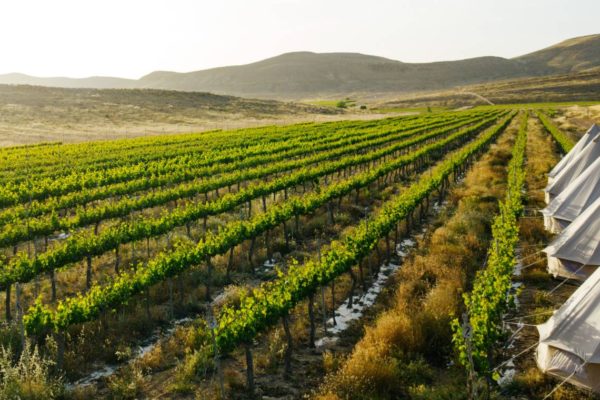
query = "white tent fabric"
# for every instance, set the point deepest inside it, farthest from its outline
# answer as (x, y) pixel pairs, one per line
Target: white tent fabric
(575, 252)
(569, 345)
(572, 201)
(573, 169)
(580, 145)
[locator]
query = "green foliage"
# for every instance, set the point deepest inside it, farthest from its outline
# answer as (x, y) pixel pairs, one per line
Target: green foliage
(196, 365)
(31, 176)
(489, 298)
(565, 143)
(83, 308)
(23, 268)
(268, 303)
(29, 378)
(127, 384)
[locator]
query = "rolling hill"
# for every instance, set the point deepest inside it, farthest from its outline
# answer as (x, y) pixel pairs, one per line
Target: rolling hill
(309, 75)
(574, 86)
(33, 114)
(93, 82)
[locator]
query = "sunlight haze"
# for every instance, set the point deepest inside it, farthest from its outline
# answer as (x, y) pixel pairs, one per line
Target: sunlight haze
(133, 38)
(299, 199)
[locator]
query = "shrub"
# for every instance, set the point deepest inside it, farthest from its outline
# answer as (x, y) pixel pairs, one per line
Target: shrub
(29, 377)
(331, 361)
(196, 365)
(127, 384)
(270, 359)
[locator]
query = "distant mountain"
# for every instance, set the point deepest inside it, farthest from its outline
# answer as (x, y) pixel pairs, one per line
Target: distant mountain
(312, 75)
(93, 82)
(573, 55)
(303, 74)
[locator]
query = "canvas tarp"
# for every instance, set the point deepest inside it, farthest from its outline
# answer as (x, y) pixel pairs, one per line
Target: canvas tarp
(572, 201)
(569, 344)
(573, 169)
(580, 145)
(575, 252)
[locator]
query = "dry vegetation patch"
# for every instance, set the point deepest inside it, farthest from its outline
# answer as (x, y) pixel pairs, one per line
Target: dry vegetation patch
(538, 299)
(403, 352)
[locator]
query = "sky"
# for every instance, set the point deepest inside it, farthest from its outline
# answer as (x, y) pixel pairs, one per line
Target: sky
(130, 38)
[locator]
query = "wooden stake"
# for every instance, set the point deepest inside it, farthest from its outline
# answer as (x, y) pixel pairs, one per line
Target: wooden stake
(88, 273)
(288, 349)
(311, 317)
(53, 286)
(351, 297)
(249, 370)
(7, 303)
(333, 302)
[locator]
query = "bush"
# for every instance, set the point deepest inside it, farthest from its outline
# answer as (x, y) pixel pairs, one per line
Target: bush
(127, 384)
(331, 362)
(196, 365)
(270, 359)
(29, 377)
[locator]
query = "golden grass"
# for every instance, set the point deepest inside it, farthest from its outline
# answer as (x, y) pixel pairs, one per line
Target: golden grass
(535, 299)
(390, 359)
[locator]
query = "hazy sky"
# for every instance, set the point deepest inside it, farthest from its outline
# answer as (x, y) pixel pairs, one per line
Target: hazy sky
(130, 38)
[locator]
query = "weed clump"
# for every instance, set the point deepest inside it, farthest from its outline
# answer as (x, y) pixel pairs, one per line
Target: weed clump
(29, 377)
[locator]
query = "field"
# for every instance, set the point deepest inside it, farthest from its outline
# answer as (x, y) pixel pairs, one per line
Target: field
(323, 260)
(575, 87)
(33, 114)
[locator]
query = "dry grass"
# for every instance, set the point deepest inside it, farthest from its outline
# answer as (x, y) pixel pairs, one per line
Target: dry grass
(575, 120)
(533, 384)
(269, 348)
(31, 114)
(28, 375)
(400, 351)
(536, 301)
(331, 361)
(581, 86)
(104, 340)
(188, 372)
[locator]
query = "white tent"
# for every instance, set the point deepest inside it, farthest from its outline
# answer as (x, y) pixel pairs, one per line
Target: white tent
(573, 169)
(572, 201)
(569, 346)
(580, 145)
(575, 252)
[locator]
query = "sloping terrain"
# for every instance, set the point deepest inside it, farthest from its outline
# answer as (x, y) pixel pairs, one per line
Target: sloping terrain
(31, 114)
(579, 86)
(308, 75)
(298, 75)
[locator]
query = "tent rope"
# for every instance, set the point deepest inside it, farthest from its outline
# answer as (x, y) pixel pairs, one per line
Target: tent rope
(519, 323)
(513, 357)
(565, 380)
(565, 280)
(513, 337)
(532, 264)
(530, 315)
(531, 255)
(531, 245)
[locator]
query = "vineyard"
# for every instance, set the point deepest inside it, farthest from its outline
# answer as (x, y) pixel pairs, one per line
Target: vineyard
(228, 257)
